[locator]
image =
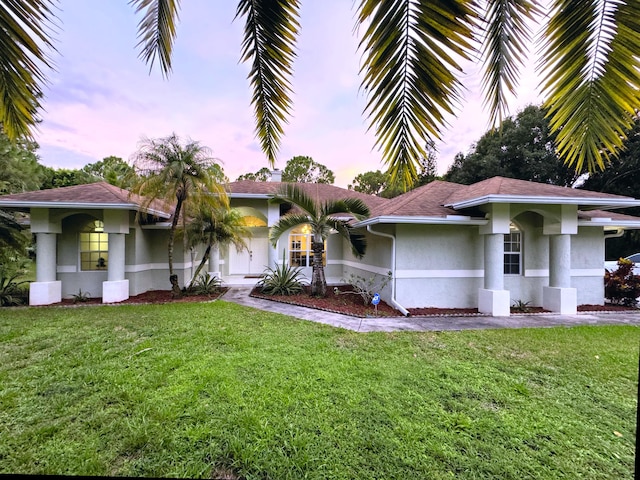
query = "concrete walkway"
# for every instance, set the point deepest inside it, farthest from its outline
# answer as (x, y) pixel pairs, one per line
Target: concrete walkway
(241, 296)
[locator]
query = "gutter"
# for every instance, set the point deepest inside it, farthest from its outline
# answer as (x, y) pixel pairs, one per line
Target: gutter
(394, 302)
(617, 234)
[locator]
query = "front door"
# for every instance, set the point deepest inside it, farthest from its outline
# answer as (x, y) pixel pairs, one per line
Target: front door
(252, 261)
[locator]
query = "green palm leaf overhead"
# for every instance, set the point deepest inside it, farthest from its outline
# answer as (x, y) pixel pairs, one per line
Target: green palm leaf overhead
(591, 64)
(25, 39)
(413, 52)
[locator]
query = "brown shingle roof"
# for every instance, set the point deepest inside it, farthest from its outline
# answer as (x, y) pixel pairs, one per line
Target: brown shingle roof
(318, 191)
(524, 188)
(424, 201)
(100, 193)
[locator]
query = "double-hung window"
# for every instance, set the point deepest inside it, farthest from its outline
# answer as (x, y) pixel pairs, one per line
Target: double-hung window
(301, 247)
(94, 247)
(513, 252)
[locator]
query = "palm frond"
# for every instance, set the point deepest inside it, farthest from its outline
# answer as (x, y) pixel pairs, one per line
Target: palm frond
(352, 206)
(411, 51)
(592, 77)
(157, 31)
(357, 241)
(285, 223)
(25, 36)
(506, 36)
(291, 193)
(271, 29)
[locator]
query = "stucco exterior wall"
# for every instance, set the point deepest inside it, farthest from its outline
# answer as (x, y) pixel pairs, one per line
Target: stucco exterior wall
(587, 265)
(439, 266)
(68, 257)
(376, 262)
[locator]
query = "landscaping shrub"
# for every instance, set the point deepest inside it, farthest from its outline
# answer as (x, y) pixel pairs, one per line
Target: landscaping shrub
(12, 291)
(364, 287)
(205, 285)
(621, 286)
(282, 280)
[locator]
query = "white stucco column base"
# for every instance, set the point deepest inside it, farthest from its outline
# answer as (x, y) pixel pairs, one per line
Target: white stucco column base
(45, 293)
(115, 291)
(494, 302)
(560, 300)
(215, 274)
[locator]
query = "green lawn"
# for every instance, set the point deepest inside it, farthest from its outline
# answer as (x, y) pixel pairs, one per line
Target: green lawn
(222, 391)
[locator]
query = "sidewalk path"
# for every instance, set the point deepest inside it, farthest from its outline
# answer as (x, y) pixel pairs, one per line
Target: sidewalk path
(241, 296)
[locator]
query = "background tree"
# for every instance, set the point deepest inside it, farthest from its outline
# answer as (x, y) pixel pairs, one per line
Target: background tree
(216, 227)
(621, 178)
(411, 66)
(523, 147)
(322, 218)
(113, 170)
(262, 175)
(371, 183)
(64, 177)
(302, 169)
(170, 171)
(20, 170)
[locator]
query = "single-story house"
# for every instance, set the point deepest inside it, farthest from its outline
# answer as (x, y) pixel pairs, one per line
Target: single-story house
(446, 245)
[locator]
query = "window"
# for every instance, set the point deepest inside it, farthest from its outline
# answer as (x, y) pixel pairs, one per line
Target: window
(300, 247)
(512, 251)
(94, 247)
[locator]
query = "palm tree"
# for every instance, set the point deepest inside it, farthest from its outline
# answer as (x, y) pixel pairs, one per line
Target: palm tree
(216, 227)
(322, 218)
(169, 171)
(412, 63)
(11, 236)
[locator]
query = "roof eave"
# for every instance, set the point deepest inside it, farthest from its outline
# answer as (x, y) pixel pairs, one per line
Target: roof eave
(598, 203)
(425, 220)
(84, 206)
(610, 223)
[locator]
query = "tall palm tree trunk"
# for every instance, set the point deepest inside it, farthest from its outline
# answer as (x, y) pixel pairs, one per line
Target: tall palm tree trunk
(205, 257)
(318, 280)
(175, 288)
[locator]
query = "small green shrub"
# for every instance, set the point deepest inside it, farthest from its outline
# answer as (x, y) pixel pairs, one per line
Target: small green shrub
(282, 280)
(621, 286)
(12, 291)
(521, 306)
(81, 296)
(205, 285)
(365, 287)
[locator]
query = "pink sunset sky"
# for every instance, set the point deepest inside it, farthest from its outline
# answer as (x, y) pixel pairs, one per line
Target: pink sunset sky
(101, 100)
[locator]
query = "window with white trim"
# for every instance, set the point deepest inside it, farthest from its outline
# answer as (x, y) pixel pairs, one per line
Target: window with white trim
(94, 247)
(301, 247)
(513, 251)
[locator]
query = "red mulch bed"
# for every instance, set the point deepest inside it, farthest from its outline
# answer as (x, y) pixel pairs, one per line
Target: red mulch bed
(152, 296)
(345, 303)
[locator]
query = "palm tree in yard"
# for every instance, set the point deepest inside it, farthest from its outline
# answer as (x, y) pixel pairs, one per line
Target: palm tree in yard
(414, 53)
(179, 175)
(322, 217)
(216, 227)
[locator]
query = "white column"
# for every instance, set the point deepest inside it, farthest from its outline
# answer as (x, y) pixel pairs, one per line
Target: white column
(493, 298)
(115, 268)
(116, 288)
(273, 215)
(46, 289)
(494, 261)
(560, 261)
(45, 257)
(559, 296)
(214, 262)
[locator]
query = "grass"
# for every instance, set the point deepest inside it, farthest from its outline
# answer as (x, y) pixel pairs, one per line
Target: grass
(221, 391)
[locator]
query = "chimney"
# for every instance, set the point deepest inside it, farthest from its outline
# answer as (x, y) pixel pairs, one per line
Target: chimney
(276, 175)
